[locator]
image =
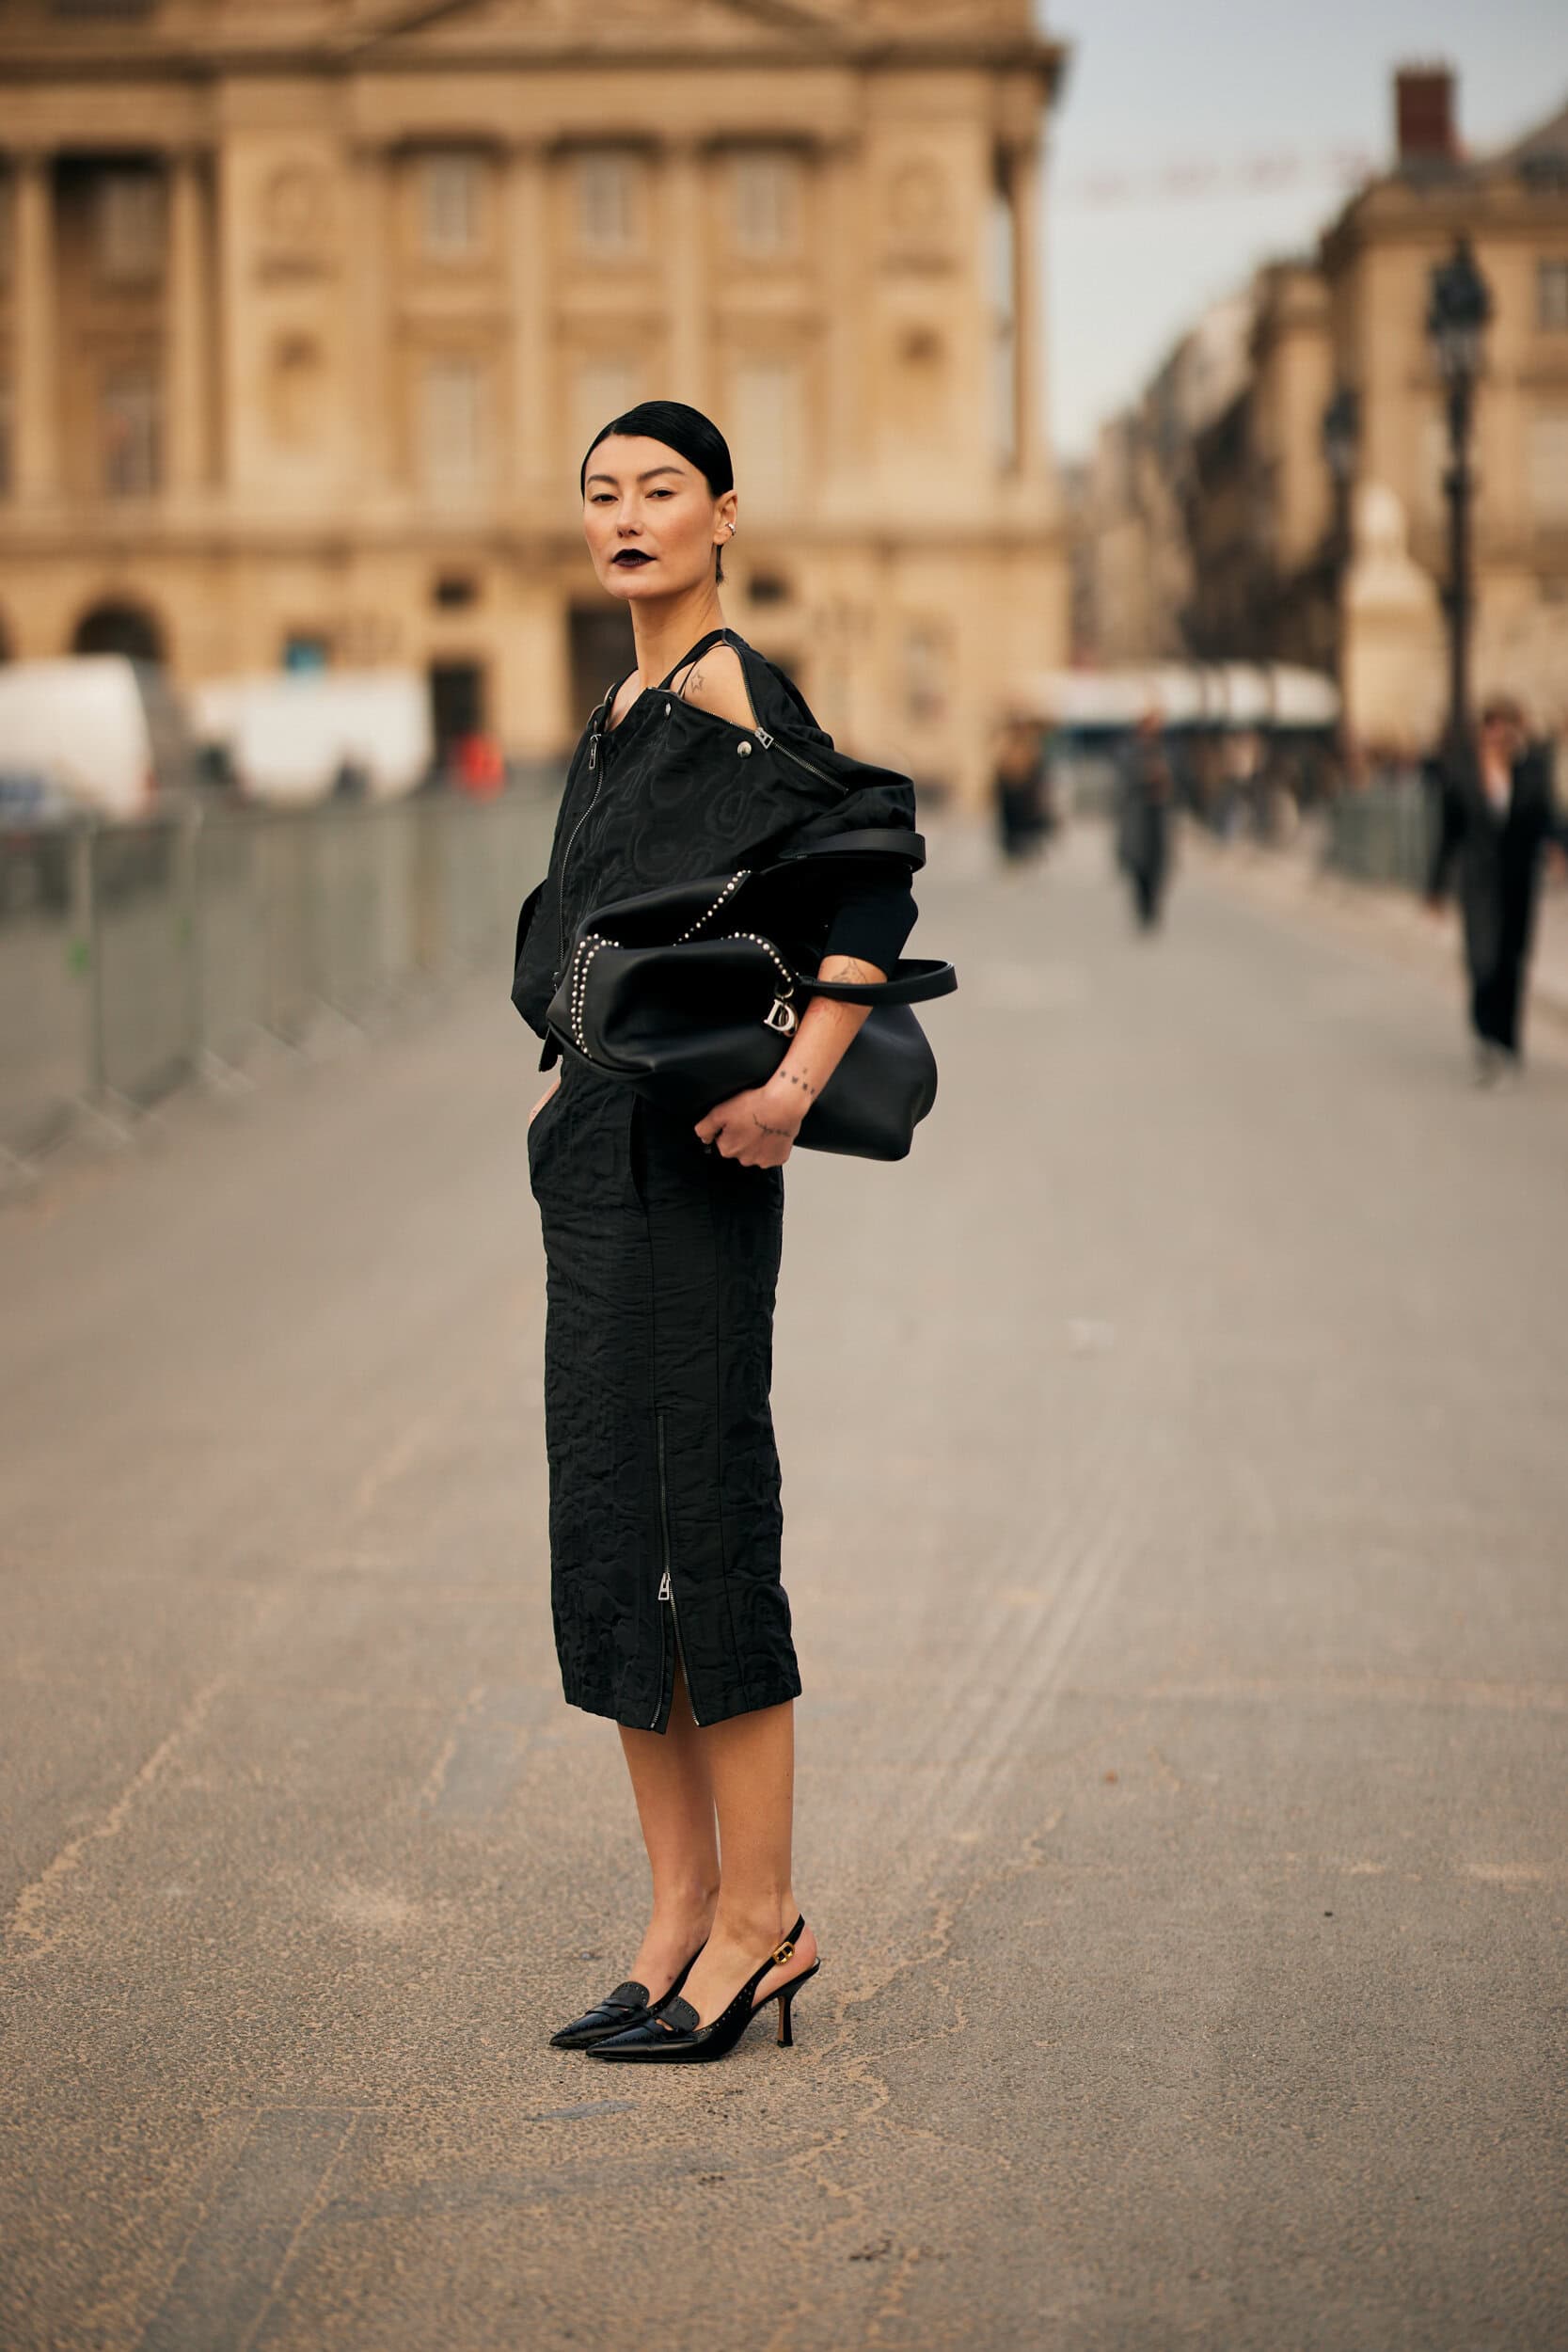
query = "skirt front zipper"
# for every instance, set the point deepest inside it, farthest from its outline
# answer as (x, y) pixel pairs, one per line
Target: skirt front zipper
(666, 1586)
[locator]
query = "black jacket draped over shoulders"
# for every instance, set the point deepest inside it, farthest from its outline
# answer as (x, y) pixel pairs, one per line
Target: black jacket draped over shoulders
(673, 793)
(662, 1259)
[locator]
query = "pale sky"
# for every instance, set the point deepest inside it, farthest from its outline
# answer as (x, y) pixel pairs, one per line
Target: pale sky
(1157, 86)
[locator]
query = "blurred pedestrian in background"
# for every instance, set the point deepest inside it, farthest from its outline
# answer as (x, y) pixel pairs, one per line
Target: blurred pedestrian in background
(1019, 788)
(1499, 817)
(1145, 796)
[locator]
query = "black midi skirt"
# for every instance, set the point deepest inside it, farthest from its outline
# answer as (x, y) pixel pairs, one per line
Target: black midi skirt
(665, 1519)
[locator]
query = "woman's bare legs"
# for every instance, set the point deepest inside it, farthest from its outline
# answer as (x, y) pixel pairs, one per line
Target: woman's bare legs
(727, 1790)
(675, 1804)
(751, 1763)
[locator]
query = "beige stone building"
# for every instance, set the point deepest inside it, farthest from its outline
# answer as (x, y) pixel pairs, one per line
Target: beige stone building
(1377, 262)
(308, 308)
(1281, 568)
(1132, 555)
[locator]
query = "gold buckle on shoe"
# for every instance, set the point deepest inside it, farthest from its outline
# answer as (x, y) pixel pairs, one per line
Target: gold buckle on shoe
(785, 1951)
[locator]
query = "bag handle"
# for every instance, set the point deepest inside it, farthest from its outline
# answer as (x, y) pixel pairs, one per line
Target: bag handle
(913, 981)
(891, 841)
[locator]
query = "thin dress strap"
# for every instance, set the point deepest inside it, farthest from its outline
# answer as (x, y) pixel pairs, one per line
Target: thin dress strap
(714, 637)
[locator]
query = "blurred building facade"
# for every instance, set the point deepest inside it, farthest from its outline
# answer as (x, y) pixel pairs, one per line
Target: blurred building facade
(308, 313)
(1279, 560)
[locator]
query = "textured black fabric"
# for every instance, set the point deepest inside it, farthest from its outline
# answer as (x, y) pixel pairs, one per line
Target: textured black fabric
(674, 792)
(663, 1258)
(873, 922)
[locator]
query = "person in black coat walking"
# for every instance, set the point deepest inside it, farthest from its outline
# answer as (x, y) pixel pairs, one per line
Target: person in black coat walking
(1498, 817)
(662, 1245)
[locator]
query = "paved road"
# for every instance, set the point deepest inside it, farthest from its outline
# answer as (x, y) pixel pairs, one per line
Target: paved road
(1176, 1458)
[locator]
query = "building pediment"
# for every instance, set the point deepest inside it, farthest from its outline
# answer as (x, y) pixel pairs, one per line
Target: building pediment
(606, 29)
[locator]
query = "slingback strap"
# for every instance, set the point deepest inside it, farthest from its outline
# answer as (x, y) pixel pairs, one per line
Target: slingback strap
(704, 644)
(913, 981)
(785, 1951)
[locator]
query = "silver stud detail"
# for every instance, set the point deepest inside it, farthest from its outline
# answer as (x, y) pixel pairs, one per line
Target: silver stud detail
(743, 750)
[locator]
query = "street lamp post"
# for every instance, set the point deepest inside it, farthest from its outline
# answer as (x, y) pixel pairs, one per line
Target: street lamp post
(1342, 434)
(1457, 316)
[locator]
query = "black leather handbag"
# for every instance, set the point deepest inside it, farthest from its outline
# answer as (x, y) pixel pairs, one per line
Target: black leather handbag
(692, 993)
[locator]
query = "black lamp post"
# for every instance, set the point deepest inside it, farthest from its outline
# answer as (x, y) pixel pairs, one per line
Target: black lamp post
(1457, 315)
(1342, 435)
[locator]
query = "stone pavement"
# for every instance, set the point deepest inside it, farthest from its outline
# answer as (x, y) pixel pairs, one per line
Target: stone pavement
(1177, 1464)
(1296, 882)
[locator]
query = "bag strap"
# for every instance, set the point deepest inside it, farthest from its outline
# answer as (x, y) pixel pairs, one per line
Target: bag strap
(913, 981)
(890, 841)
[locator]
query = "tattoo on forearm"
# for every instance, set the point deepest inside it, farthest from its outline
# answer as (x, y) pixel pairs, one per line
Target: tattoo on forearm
(790, 1079)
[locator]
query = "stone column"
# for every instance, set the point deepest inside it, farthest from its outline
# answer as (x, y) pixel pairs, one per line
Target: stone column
(1023, 192)
(685, 237)
(531, 422)
(38, 449)
(187, 328)
(375, 379)
(837, 228)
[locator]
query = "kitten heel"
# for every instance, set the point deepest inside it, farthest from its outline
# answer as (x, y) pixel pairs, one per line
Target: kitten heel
(785, 1998)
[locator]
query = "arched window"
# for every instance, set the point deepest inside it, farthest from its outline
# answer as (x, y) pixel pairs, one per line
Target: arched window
(112, 627)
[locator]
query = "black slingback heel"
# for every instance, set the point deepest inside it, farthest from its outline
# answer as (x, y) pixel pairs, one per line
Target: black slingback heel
(669, 2035)
(629, 2005)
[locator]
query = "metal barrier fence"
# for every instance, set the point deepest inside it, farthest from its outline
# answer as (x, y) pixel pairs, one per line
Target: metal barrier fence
(1383, 834)
(135, 957)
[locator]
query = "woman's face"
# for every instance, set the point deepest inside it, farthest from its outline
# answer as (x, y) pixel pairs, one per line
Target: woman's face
(650, 520)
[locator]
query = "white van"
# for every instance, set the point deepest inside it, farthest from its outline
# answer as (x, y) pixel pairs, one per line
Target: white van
(107, 733)
(291, 738)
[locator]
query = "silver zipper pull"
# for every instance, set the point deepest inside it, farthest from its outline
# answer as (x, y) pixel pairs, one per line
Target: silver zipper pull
(594, 751)
(664, 1591)
(763, 738)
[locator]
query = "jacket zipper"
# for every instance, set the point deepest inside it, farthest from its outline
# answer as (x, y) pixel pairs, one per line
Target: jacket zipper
(666, 1588)
(571, 845)
(771, 743)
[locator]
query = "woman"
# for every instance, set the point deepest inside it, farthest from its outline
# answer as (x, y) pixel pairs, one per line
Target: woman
(1497, 816)
(1018, 788)
(662, 1245)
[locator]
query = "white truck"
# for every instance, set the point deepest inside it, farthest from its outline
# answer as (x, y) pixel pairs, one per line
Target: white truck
(290, 739)
(96, 732)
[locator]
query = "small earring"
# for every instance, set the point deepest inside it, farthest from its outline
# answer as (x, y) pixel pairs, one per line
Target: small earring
(730, 528)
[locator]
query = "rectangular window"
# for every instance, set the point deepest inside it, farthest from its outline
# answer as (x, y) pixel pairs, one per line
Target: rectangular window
(130, 226)
(1551, 296)
(1547, 463)
(452, 425)
(130, 435)
(766, 201)
(769, 425)
(601, 388)
(608, 188)
(449, 202)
